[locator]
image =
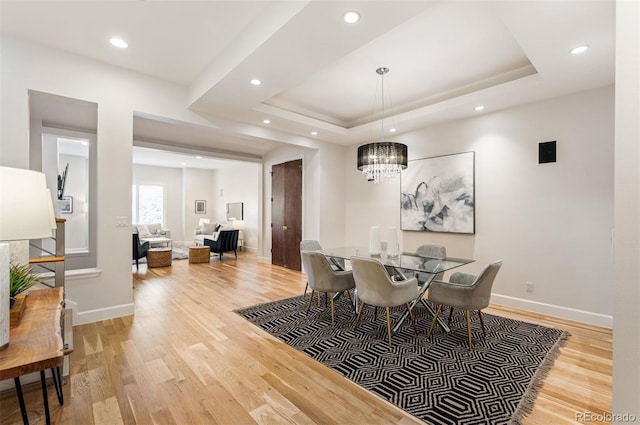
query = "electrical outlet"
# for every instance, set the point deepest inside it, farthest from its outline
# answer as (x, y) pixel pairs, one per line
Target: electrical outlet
(121, 221)
(529, 286)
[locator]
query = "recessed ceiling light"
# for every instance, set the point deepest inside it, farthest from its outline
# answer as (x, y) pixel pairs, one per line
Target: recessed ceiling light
(479, 108)
(351, 17)
(256, 82)
(579, 49)
(118, 42)
(183, 163)
(314, 133)
(392, 130)
(266, 121)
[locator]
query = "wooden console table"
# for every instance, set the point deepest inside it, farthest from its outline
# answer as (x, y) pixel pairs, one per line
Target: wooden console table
(36, 344)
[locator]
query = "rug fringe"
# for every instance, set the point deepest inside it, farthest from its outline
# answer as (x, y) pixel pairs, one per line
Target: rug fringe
(529, 398)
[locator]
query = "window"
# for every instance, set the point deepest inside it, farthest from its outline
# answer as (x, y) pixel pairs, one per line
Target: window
(148, 204)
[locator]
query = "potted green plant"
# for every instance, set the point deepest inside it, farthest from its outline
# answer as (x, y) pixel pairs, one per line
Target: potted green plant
(21, 278)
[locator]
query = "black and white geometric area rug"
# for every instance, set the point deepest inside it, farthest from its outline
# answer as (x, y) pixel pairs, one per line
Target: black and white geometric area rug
(439, 381)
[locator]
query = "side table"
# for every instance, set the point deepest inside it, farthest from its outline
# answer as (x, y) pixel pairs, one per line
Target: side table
(159, 257)
(36, 344)
(199, 254)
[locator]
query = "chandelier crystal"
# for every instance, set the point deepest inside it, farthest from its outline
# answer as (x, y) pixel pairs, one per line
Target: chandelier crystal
(382, 161)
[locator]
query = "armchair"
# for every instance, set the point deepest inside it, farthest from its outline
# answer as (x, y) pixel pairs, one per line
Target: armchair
(314, 245)
(376, 288)
(227, 241)
(211, 231)
(322, 277)
(139, 249)
(466, 292)
(430, 251)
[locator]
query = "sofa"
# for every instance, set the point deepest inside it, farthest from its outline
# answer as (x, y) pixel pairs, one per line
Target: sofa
(211, 231)
(153, 233)
(153, 230)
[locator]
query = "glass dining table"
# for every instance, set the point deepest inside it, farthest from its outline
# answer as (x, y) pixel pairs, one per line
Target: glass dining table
(399, 266)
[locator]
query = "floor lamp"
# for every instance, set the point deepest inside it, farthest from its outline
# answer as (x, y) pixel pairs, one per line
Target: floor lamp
(26, 212)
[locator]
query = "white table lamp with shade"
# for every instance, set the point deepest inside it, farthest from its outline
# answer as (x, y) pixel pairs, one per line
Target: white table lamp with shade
(26, 212)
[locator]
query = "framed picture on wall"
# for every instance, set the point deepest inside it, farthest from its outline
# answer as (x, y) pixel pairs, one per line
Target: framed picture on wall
(438, 194)
(66, 205)
(201, 207)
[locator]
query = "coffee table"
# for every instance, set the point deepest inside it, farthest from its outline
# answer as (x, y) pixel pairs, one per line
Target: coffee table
(158, 241)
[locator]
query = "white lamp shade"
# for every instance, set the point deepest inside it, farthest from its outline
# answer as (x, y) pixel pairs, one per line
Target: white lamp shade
(203, 221)
(52, 214)
(238, 224)
(26, 211)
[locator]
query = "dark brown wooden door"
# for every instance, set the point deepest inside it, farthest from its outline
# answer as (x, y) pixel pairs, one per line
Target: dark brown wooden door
(286, 214)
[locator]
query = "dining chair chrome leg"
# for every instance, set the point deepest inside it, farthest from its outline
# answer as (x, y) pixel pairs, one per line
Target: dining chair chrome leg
(468, 313)
(433, 322)
(484, 333)
(413, 320)
(350, 298)
(310, 299)
(359, 314)
(388, 326)
(333, 322)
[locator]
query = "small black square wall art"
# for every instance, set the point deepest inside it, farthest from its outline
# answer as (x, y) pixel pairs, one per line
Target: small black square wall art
(546, 152)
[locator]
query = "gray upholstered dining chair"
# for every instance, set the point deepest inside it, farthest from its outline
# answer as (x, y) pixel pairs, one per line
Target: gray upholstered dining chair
(375, 287)
(309, 245)
(431, 251)
(321, 277)
(466, 292)
(314, 245)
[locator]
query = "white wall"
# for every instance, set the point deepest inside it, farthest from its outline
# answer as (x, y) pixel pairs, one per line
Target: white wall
(550, 223)
(198, 185)
(240, 182)
(171, 181)
(118, 93)
(76, 186)
(626, 336)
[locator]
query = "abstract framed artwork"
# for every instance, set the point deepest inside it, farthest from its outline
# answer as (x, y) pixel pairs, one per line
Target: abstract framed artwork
(201, 207)
(438, 194)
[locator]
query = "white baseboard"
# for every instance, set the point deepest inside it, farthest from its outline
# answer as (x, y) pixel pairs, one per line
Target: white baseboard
(92, 316)
(582, 316)
(264, 260)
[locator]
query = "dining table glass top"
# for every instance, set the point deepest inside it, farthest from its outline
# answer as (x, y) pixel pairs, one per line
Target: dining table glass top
(406, 260)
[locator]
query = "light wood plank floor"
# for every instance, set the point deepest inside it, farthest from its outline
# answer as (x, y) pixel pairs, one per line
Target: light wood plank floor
(186, 358)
